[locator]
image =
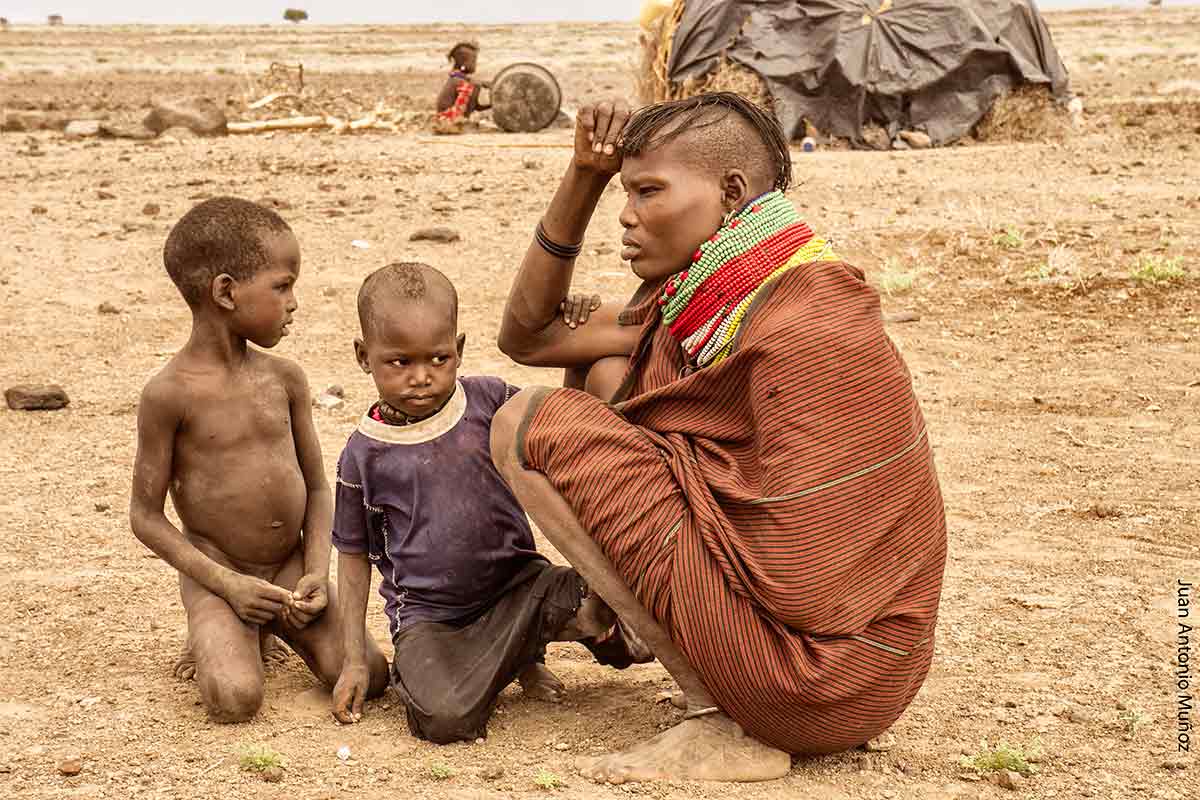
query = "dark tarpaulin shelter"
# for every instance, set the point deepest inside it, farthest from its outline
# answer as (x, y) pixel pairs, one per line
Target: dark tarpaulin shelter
(931, 65)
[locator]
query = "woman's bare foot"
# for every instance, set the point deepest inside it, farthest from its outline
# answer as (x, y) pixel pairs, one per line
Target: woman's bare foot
(709, 748)
(540, 683)
(274, 652)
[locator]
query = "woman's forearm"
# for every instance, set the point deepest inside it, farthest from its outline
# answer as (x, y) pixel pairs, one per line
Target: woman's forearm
(544, 279)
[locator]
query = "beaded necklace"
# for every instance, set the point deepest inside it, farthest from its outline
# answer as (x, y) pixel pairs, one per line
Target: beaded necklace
(705, 304)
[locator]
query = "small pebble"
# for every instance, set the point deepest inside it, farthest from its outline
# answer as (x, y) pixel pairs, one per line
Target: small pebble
(442, 206)
(70, 766)
(444, 235)
(532, 163)
(343, 753)
(36, 398)
(103, 195)
(492, 773)
(37, 211)
(1007, 779)
(108, 308)
(272, 774)
(151, 209)
(102, 507)
(562, 746)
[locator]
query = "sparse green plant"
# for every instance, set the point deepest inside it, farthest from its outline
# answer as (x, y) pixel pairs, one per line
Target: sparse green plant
(1009, 239)
(295, 15)
(547, 780)
(1131, 719)
(1159, 269)
(440, 771)
(895, 280)
(260, 758)
(1019, 759)
(1061, 266)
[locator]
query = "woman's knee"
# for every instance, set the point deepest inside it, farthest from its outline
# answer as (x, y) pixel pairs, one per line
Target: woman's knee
(506, 425)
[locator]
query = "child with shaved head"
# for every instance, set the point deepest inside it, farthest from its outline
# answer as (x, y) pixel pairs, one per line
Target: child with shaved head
(227, 429)
(471, 604)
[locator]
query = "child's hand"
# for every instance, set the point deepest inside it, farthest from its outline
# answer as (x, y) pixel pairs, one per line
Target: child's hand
(598, 129)
(256, 601)
(349, 693)
(309, 599)
(577, 308)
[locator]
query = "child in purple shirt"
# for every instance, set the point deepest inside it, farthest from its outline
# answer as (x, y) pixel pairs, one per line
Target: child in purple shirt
(470, 602)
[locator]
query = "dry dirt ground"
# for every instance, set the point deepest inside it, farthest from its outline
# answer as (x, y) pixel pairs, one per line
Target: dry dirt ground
(1062, 393)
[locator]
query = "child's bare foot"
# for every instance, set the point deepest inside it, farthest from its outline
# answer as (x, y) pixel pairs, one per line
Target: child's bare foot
(540, 683)
(710, 748)
(185, 665)
(274, 652)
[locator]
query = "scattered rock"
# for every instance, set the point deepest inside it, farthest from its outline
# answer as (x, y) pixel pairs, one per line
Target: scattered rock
(532, 163)
(1176, 763)
(108, 308)
(881, 743)
(36, 398)
(561, 746)
(178, 133)
(272, 774)
(328, 402)
(118, 130)
(443, 206)
(70, 766)
(1077, 715)
(334, 212)
(335, 390)
(28, 121)
(863, 762)
(902, 316)
(275, 203)
(1007, 779)
(38, 211)
(492, 773)
(343, 753)
(82, 128)
(475, 187)
(198, 114)
(104, 194)
(151, 209)
(917, 140)
(444, 235)
(102, 507)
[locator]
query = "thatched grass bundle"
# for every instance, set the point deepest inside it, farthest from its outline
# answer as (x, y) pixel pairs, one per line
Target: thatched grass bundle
(655, 86)
(1026, 114)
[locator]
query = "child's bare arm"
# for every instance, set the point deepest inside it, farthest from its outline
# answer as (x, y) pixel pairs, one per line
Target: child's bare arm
(312, 591)
(159, 416)
(354, 584)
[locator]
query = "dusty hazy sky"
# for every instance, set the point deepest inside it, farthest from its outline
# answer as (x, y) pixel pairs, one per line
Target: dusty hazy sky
(343, 11)
(321, 11)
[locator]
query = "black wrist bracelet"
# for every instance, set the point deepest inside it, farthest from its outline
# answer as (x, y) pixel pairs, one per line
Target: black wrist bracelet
(567, 251)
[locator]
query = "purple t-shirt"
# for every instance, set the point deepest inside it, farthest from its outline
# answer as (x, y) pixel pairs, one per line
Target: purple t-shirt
(428, 507)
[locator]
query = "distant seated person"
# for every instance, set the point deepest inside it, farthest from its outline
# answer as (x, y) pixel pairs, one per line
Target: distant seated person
(459, 97)
(470, 602)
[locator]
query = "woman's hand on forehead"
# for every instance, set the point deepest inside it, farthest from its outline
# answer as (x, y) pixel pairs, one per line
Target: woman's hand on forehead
(598, 128)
